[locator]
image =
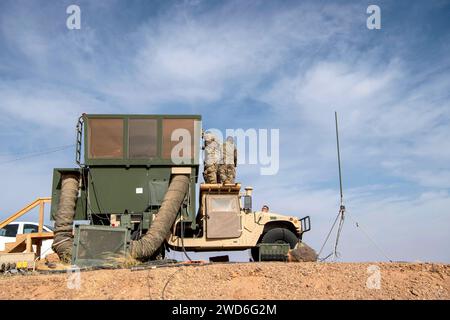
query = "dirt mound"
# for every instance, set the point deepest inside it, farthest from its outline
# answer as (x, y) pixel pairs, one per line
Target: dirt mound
(302, 253)
(270, 280)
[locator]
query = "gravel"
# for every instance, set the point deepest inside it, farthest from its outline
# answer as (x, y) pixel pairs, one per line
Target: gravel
(269, 280)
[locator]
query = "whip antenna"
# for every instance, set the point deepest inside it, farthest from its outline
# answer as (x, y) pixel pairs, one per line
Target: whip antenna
(339, 158)
(340, 216)
(341, 207)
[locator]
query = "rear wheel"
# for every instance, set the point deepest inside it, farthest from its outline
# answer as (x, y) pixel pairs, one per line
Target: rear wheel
(276, 235)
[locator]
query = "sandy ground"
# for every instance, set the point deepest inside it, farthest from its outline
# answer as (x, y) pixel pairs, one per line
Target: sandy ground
(270, 280)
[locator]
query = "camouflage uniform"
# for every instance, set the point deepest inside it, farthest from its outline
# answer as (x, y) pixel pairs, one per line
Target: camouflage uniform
(212, 157)
(227, 167)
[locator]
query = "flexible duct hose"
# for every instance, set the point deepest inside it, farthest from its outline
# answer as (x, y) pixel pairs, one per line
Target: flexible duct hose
(160, 227)
(63, 241)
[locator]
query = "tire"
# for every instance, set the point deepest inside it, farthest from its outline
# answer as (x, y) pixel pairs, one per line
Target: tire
(280, 235)
(276, 235)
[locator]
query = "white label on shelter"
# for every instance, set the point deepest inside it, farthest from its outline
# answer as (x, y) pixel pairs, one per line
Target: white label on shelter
(139, 190)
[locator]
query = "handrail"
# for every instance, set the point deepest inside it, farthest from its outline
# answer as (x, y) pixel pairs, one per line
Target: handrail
(79, 140)
(38, 202)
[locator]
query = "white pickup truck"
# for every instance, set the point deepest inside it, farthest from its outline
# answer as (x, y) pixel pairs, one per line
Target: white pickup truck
(8, 234)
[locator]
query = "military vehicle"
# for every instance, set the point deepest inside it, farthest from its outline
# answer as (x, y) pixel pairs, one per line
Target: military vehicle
(135, 190)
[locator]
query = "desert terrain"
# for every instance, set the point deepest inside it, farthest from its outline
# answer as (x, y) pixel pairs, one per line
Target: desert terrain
(268, 280)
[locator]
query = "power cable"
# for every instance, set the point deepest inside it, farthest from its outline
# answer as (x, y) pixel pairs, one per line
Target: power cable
(96, 198)
(188, 198)
(33, 155)
(88, 201)
(167, 283)
(182, 239)
(9, 154)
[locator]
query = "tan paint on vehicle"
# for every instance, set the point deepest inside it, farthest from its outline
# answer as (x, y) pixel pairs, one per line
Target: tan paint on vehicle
(252, 226)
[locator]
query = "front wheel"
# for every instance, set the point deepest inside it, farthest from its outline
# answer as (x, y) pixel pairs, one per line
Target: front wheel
(276, 235)
(280, 235)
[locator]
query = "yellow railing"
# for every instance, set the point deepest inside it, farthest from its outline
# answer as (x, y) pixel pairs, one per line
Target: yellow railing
(38, 202)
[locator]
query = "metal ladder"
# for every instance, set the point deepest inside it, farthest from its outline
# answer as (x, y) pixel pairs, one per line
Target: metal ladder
(79, 140)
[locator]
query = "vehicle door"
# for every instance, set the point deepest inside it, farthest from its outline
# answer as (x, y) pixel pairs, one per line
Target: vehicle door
(223, 217)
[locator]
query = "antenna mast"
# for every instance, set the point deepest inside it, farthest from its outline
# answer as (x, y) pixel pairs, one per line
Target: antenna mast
(339, 157)
(341, 207)
(341, 215)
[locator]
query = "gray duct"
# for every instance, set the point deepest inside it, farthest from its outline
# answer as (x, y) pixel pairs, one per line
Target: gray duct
(145, 247)
(63, 241)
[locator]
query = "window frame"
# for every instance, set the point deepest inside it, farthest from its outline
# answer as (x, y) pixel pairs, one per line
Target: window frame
(89, 139)
(35, 227)
(211, 197)
(171, 143)
(128, 137)
(17, 230)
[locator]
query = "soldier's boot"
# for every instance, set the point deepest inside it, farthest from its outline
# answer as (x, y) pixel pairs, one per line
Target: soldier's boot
(210, 174)
(212, 177)
(222, 173)
(230, 174)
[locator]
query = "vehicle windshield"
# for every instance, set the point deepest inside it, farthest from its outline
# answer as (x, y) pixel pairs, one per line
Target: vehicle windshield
(223, 203)
(49, 227)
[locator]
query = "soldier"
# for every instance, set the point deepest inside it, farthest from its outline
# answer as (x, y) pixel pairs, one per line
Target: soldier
(212, 157)
(227, 168)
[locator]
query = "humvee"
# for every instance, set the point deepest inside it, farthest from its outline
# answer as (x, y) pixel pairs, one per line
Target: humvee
(227, 222)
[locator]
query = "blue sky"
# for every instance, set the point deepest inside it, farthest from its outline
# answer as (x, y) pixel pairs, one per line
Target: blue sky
(252, 64)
